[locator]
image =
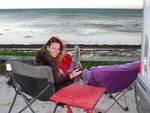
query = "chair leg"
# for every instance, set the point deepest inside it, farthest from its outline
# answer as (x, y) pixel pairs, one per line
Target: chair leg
(33, 100)
(116, 101)
(69, 110)
(27, 102)
(57, 105)
(12, 103)
(55, 108)
(126, 108)
(22, 109)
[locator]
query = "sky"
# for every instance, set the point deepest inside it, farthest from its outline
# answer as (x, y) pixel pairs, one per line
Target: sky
(7, 4)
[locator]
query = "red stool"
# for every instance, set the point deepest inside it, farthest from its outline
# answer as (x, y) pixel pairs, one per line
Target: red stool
(77, 95)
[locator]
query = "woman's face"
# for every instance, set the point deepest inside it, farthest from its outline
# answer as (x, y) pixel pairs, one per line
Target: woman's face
(54, 49)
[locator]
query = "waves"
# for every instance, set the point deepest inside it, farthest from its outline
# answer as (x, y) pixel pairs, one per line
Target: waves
(72, 26)
(106, 19)
(81, 23)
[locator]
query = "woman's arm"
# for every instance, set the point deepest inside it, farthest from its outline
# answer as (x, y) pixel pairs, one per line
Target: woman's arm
(43, 58)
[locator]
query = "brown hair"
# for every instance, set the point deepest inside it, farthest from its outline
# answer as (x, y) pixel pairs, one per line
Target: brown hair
(55, 40)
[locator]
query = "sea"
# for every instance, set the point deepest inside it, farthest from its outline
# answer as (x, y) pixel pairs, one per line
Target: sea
(72, 25)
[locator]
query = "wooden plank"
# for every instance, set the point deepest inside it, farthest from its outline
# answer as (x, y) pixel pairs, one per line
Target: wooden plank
(82, 58)
(108, 58)
(18, 58)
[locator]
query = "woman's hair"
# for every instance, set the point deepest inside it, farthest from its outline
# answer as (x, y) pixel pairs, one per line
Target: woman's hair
(55, 40)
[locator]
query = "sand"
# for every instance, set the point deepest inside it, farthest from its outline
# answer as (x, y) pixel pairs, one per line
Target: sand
(36, 36)
(7, 94)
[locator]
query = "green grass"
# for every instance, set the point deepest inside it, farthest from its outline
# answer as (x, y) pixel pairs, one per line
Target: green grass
(17, 53)
(14, 53)
(89, 64)
(100, 53)
(85, 64)
(2, 67)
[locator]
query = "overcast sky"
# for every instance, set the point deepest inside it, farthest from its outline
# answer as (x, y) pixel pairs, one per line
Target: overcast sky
(71, 4)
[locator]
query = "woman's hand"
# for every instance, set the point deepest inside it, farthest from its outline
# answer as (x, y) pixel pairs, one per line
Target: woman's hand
(61, 72)
(75, 73)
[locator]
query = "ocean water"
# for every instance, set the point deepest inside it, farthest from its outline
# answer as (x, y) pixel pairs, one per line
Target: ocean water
(73, 26)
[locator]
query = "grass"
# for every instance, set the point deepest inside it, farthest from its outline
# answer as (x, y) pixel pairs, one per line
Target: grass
(14, 53)
(85, 64)
(2, 67)
(89, 64)
(17, 53)
(99, 53)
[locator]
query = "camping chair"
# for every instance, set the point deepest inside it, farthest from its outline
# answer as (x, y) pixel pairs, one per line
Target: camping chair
(36, 81)
(116, 79)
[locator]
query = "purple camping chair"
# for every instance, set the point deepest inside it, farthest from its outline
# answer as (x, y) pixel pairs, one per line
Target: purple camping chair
(115, 78)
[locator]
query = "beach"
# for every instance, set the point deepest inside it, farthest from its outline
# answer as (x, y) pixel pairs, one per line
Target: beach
(73, 26)
(108, 39)
(7, 94)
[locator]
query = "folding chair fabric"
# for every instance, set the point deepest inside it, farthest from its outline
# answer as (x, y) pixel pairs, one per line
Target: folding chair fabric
(41, 72)
(115, 78)
(36, 81)
(33, 79)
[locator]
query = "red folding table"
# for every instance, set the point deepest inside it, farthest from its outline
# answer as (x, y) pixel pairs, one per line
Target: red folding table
(77, 95)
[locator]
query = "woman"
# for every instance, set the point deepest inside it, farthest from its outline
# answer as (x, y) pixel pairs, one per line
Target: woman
(51, 54)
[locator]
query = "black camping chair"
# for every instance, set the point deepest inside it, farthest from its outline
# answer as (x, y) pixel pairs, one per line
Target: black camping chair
(36, 81)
